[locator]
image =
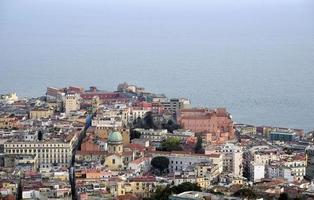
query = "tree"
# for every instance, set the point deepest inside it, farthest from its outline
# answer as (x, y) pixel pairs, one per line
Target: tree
(171, 144)
(283, 196)
(186, 186)
(138, 123)
(170, 126)
(161, 163)
(164, 193)
(149, 121)
(134, 134)
(40, 135)
(199, 145)
(245, 193)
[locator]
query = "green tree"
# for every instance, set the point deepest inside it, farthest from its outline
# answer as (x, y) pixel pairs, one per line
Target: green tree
(161, 163)
(170, 126)
(199, 145)
(164, 193)
(283, 196)
(149, 121)
(186, 186)
(134, 134)
(245, 193)
(171, 144)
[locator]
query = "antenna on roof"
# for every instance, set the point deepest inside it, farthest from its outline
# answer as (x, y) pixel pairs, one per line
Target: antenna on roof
(114, 124)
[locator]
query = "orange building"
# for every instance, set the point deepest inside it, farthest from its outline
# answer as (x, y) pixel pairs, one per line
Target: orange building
(89, 145)
(215, 126)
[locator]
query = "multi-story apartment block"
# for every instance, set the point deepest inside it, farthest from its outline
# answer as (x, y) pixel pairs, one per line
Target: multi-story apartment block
(72, 103)
(180, 161)
(260, 155)
(175, 104)
(257, 172)
(55, 151)
(232, 159)
(155, 137)
(297, 165)
(143, 185)
(137, 113)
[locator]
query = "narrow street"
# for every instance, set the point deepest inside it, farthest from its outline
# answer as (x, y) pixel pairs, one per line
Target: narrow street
(72, 166)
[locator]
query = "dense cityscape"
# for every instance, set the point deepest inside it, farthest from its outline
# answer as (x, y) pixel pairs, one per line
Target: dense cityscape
(131, 144)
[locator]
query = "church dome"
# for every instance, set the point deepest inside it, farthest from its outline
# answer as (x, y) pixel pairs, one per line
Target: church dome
(115, 137)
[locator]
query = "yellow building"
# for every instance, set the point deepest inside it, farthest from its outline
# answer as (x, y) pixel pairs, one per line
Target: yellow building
(7, 122)
(143, 185)
(203, 182)
(10, 186)
(39, 113)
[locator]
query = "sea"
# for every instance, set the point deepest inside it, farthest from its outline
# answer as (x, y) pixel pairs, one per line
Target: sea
(254, 57)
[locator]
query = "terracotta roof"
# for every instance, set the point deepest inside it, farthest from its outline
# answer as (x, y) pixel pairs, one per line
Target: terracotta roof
(143, 179)
(135, 146)
(139, 160)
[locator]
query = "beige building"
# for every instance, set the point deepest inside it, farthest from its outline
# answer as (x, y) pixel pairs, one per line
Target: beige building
(8, 122)
(297, 165)
(143, 185)
(137, 113)
(72, 103)
(39, 113)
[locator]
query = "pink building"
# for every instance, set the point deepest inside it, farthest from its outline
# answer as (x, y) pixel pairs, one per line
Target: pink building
(215, 126)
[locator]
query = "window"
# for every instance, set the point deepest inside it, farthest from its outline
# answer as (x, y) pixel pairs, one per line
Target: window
(113, 161)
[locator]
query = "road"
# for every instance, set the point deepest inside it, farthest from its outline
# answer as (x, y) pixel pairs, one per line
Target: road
(72, 165)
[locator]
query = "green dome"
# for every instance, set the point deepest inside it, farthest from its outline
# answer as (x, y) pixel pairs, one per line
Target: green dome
(115, 137)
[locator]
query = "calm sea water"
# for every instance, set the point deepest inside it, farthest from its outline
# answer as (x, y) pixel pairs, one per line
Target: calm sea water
(255, 57)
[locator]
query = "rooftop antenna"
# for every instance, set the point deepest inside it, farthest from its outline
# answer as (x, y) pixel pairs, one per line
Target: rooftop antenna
(114, 125)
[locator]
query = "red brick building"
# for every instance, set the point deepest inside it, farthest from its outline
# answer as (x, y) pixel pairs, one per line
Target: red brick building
(214, 126)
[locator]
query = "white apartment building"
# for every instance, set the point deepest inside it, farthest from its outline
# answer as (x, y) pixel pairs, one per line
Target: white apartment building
(232, 159)
(183, 161)
(48, 153)
(107, 122)
(155, 137)
(257, 172)
(137, 113)
(278, 170)
(140, 165)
